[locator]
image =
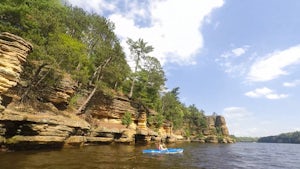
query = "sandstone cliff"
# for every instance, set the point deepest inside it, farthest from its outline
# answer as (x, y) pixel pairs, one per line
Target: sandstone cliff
(216, 131)
(13, 52)
(21, 125)
(48, 122)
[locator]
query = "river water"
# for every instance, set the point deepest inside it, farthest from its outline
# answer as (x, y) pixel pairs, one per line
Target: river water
(208, 156)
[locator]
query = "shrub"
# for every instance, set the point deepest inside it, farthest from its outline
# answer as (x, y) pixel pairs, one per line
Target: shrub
(157, 121)
(126, 119)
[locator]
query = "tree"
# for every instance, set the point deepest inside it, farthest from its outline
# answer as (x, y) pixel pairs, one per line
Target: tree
(172, 108)
(139, 49)
(150, 81)
(196, 117)
(126, 119)
(105, 52)
(35, 21)
(77, 22)
(156, 120)
(69, 53)
(293, 137)
(67, 39)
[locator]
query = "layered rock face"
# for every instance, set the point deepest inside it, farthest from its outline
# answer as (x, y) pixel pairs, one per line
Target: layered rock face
(220, 122)
(50, 125)
(107, 114)
(111, 109)
(24, 127)
(216, 131)
(13, 52)
(61, 94)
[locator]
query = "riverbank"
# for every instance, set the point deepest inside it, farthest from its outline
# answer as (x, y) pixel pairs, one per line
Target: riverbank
(38, 113)
(23, 130)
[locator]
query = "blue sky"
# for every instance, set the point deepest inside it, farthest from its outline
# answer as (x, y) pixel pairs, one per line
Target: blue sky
(237, 58)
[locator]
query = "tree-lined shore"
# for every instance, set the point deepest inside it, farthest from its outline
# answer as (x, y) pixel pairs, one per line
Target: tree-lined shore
(70, 42)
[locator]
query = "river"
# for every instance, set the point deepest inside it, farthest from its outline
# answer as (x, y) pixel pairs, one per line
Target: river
(208, 156)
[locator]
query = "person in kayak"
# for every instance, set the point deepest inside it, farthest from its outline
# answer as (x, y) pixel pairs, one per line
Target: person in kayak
(161, 146)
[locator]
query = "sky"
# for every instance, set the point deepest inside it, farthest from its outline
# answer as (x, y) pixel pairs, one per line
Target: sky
(239, 59)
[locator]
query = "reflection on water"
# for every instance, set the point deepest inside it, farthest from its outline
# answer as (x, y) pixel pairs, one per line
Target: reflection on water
(240, 155)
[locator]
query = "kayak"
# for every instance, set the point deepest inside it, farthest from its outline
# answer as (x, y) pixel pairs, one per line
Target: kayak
(167, 151)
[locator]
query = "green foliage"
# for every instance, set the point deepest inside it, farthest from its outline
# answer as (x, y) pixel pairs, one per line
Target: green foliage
(245, 139)
(74, 99)
(157, 120)
(293, 137)
(200, 136)
(187, 133)
(220, 138)
(24, 17)
(195, 118)
(219, 130)
(172, 108)
(70, 55)
(126, 119)
(213, 131)
(153, 80)
(69, 40)
(147, 88)
(139, 50)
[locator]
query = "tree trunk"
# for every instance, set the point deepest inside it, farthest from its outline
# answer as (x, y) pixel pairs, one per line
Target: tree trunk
(33, 82)
(116, 85)
(96, 76)
(131, 88)
(133, 80)
(82, 107)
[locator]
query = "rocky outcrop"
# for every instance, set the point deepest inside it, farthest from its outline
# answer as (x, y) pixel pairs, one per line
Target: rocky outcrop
(26, 128)
(60, 95)
(21, 128)
(216, 131)
(110, 132)
(110, 112)
(13, 52)
(220, 123)
(50, 124)
(107, 113)
(110, 109)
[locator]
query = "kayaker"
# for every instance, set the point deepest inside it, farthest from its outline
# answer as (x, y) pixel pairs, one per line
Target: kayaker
(161, 146)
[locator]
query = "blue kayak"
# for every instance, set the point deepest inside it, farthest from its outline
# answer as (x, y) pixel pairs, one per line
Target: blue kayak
(167, 151)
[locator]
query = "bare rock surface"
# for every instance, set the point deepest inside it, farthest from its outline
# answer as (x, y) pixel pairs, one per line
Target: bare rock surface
(13, 52)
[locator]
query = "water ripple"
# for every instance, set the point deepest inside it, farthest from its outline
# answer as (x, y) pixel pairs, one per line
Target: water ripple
(203, 156)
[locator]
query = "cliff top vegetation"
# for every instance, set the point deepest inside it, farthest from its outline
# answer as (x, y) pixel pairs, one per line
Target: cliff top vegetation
(68, 40)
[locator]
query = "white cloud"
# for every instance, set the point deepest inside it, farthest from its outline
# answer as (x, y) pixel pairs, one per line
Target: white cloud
(236, 113)
(239, 51)
(96, 6)
(273, 65)
(172, 27)
(266, 93)
(235, 52)
(291, 84)
(242, 122)
(233, 62)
